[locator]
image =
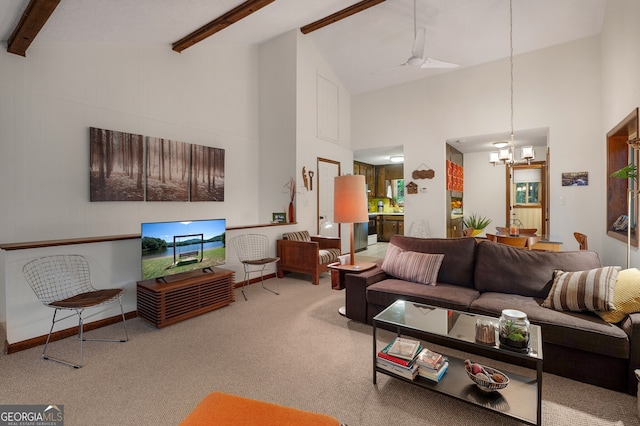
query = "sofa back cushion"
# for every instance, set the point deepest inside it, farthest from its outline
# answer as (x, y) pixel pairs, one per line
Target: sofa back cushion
(458, 263)
(504, 269)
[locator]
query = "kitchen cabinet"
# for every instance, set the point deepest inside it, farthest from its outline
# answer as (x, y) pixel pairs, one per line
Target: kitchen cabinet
(381, 185)
(455, 227)
(390, 225)
(394, 171)
(369, 173)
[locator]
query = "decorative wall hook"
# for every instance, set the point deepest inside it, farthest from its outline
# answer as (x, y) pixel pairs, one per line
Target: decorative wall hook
(304, 177)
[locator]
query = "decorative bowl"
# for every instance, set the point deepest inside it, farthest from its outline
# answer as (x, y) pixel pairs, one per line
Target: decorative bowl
(489, 380)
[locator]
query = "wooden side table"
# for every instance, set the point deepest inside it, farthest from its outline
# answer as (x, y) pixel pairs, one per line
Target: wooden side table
(338, 273)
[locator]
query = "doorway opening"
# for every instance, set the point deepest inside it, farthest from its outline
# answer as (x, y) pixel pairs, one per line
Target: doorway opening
(527, 196)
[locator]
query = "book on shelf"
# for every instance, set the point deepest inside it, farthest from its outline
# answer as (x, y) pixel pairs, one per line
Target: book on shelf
(433, 375)
(404, 348)
(384, 353)
(409, 372)
(430, 359)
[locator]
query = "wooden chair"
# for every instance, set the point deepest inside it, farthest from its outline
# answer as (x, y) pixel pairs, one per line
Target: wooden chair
(467, 232)
(302, 253)
(582, 240)
(520, 242)
(492, 237)
(531, 241)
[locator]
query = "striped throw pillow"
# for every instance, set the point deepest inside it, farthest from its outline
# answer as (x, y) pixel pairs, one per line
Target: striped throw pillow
(590, 290)
(297, 236)
(412, 266)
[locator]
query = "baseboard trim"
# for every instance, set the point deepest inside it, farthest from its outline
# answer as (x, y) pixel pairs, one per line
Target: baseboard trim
(254, 280)
(63, 334)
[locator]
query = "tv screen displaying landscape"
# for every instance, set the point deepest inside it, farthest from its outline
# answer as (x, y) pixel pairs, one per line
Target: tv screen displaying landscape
(170, 248)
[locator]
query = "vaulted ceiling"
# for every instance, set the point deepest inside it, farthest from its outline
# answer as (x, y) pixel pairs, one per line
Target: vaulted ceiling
(364, 49)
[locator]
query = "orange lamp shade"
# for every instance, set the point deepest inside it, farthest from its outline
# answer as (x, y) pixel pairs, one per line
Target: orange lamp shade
(350, 199)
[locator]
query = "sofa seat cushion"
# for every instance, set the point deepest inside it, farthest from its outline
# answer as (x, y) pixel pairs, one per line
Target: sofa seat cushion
(504, 269)
(328, 255)
(583, 331)
(385, 292)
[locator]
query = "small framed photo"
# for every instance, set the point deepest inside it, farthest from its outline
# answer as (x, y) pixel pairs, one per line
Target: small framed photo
(575, 179)
(279, 218)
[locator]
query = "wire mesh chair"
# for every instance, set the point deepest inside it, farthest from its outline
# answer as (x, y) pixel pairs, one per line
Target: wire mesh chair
(63, 282)
(252, 250)
(420, 229)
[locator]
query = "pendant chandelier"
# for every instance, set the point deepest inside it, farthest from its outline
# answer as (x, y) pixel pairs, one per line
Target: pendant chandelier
(506, 149)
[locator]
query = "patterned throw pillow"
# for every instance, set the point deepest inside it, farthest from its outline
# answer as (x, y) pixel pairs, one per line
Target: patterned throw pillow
(590, 290)
(626, 296)
(412, 266)
(297, 236)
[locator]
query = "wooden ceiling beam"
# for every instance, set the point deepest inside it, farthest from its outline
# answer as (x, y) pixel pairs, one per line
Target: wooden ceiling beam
(344, 13)
(220, 23)
(33, 19)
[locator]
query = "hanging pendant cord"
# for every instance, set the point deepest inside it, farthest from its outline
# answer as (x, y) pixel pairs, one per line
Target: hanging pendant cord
(511, 64)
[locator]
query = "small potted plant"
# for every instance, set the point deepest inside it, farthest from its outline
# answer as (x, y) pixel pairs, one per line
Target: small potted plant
(478, 223)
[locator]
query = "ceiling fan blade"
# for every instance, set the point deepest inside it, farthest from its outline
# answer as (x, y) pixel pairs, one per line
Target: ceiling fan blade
(418, 43)
(435, 63)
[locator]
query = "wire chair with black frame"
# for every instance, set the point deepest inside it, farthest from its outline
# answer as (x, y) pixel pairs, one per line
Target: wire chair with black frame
(63, 282)
(253, 252)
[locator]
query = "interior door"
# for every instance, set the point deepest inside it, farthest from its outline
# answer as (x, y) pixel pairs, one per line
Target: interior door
(327, 171)
(527, 196)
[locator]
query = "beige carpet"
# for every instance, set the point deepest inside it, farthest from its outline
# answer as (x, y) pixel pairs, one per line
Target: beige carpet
(293, 349)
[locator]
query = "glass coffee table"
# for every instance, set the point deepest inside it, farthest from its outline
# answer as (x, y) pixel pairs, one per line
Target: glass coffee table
(521, 399)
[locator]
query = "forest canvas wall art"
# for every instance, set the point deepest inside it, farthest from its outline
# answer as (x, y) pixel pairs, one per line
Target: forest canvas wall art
(207, 173)
(167, 170)
(121, 169)
(116, 166)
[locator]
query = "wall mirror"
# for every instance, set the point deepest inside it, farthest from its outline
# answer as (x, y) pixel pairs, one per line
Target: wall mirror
(622, 202)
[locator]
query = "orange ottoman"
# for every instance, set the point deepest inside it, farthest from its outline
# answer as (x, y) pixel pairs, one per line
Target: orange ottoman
(219, 408)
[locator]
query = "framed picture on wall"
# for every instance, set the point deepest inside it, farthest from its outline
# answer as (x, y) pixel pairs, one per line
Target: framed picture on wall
(575, 179)
(279, 218)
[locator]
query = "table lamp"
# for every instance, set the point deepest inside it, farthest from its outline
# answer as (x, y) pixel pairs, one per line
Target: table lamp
(350, 204)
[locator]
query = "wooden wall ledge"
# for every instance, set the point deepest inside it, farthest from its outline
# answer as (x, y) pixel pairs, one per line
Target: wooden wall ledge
(72, 241)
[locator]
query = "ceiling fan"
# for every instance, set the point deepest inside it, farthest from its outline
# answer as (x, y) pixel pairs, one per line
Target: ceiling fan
(417, 58)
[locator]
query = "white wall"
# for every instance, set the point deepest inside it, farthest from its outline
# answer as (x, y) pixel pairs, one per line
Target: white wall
(310, 65)
(48, 101)
(557, 87)
(277, 161)
(620, 95)
(208, 95)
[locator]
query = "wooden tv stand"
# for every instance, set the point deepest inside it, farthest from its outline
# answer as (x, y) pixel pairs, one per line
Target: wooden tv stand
(185, 296)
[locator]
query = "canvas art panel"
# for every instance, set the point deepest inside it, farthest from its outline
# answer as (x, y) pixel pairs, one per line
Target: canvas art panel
(207, 173)
(116, 165)
(167, 170)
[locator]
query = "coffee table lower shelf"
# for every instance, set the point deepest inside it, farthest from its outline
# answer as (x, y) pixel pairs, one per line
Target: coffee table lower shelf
(513, 401)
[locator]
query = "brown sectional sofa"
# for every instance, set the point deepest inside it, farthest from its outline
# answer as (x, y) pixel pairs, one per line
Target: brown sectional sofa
(485, 278)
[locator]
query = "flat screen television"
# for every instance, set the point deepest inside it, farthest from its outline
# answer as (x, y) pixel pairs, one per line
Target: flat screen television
(170, 248)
